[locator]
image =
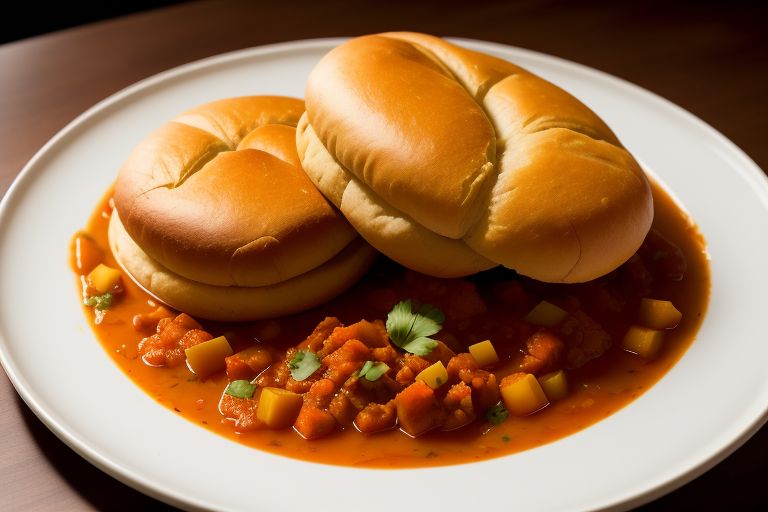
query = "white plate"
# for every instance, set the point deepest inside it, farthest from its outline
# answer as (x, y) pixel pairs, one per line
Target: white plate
(703, 409)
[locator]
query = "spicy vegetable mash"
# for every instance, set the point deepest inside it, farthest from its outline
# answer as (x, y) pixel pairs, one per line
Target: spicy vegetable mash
(408, 370)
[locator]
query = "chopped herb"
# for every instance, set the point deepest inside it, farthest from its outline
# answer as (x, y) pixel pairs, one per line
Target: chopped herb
(101, 302)
(410, 329)
(372, 371)
(497, 414)
(240, 389)
(506, 439)
(303, 364)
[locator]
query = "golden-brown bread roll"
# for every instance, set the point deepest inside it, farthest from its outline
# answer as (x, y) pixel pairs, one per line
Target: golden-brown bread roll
(451, 161)
(237, 303)
(217, 195)
(214, 216)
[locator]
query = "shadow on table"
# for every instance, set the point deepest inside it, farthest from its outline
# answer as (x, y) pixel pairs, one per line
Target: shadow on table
(96, 487)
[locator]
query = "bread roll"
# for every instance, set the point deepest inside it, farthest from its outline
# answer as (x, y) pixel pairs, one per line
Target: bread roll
(451, 161)
(235, 303)
(215, 217)
(217, 196)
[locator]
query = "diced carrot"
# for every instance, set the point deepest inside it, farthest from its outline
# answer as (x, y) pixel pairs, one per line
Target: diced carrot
(417, 409)
(543, 351)
(441, 353)
(374, 334)
(376, 417)
(313, 422)
(248, 363)
(242, 411)
(353, 350)
(323, 330)
(85, 253)
(460, 362)
(186, 321)
(237, 369)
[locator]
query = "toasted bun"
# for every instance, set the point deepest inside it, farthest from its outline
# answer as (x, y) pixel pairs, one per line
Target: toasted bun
(457, 161)
(233, 303)
(217, 196)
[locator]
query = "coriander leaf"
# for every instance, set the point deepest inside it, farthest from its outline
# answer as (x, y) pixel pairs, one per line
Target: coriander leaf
(431, 312)
(303, 364)
(240, 389)
(410, 329)
(420, 346)
(497, 414)
(399, 322)
(372, 371)
(101, 302)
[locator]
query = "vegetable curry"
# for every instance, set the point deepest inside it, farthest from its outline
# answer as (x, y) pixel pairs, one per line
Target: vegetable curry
(406, 370)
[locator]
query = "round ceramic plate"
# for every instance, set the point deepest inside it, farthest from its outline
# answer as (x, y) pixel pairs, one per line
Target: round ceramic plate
(705, 407)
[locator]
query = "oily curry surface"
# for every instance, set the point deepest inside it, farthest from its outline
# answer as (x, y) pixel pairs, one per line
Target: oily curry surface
(671, 266)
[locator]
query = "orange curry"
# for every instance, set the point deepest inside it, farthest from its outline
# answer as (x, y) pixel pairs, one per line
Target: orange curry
(515, 364)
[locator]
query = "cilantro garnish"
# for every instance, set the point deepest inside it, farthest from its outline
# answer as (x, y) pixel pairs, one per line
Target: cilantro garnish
(240, 389)
(372, 371)
(303, 364)
(497, 414)
(101, 302)
(410, 329)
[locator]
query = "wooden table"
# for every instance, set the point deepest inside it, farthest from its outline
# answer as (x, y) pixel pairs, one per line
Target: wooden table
(711, 60)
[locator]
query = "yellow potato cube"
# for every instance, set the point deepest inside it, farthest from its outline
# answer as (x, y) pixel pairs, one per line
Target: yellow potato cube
(103, 278)
(522, 396)
(208, 357)
(643, 341)
(434, 376)
(555, 385)
(278, 407)
(484, 353)
(659, 314)
(545, 314)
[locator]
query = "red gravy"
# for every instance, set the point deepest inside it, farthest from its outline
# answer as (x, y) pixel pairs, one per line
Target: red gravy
(596, 389)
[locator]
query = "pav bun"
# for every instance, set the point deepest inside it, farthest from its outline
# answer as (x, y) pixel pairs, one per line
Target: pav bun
(451, 161)
(218, 196)
(214, 215)
(238, 303)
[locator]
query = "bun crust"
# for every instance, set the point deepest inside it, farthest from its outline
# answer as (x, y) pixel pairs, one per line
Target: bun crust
(232, 303)
(218, 196)
(457, 161)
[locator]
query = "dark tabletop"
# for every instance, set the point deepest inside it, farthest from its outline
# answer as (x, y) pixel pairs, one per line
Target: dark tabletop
(711, 58)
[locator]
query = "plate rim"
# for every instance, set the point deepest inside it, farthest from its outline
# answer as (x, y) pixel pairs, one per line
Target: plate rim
(747, 168)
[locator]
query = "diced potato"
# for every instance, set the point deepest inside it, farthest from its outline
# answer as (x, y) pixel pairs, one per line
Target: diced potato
(545, 314)
(555, 385)
(484, 353)
(643, 341)
(659, 314)
(208, 357)
(434, 376)
(278, 407)
(522, 395)
(104, 278)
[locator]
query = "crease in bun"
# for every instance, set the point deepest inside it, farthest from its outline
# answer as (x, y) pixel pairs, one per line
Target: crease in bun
(457, 161)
